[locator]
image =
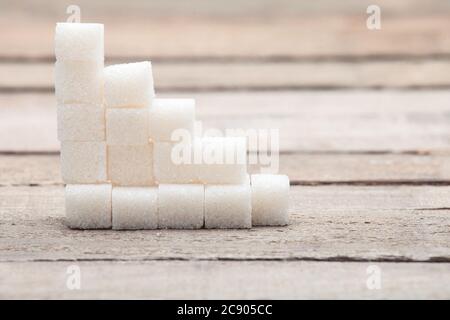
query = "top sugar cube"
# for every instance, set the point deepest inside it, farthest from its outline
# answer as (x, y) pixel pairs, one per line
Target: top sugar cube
(79, 42)
(129, 85)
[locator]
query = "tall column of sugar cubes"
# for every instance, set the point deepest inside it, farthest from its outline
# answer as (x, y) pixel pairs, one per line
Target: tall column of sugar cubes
(81, 123)
(129, 92)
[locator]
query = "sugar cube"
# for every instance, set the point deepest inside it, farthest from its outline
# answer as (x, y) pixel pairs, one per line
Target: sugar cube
(130, 165)
(129, 85)
(88, 206)
(228, 206)
(79, 41)
(134, 208)
(270, 199)
(180, 206)
(81, 122)
(127, 126)
(167, 115)
(83, 162)
(223, 160)
(79, 82)
(169, 166)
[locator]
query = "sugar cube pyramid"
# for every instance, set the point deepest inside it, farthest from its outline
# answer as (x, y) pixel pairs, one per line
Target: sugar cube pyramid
(122, 160)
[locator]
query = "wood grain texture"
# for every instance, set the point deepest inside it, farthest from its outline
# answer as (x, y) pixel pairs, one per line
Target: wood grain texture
(357, 121)
(309, 169)
(224, 280)
(203, 76)
(200, 8)
(370, 170)
(262, 29)
(327, 223)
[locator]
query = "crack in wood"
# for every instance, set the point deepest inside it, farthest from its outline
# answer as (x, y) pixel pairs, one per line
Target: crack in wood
(246, 88)
(381, 183)
(348, 58)
(384, 259)
(282, 152)
(373, 183)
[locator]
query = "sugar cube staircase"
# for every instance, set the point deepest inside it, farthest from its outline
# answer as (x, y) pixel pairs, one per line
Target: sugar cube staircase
(130, 160)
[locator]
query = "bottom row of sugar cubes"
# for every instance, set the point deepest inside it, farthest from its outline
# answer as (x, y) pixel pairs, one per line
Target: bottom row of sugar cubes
(179, 206)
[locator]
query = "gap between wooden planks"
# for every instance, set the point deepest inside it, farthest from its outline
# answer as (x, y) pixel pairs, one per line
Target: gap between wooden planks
(319, 121)
(223, 280)
(241, 76)
(302, 169)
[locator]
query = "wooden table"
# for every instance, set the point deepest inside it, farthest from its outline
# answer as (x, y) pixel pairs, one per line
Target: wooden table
(364, 119)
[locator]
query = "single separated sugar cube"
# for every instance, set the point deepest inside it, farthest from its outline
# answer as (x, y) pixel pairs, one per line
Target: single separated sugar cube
(172, 163)
(88, 206)
(180, 206)
(79, 41)
(129, 85)
(270, 200)
(221, 160)
(127, 126)
(83, 162)
(228, 206)
(134, 208)
(168, 115)
(81, 122)
(79, 82)
(130, 165)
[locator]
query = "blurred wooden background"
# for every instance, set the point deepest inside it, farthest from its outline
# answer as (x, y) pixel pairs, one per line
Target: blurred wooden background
(364, 119)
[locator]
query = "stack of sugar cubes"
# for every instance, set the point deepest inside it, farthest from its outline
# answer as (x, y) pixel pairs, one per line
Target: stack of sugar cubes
(117, 143)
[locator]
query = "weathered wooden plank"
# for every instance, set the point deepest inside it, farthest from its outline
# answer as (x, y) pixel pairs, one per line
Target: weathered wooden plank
(49, 8)
(364, 168)
(30, 169)
(327, 223)
(44, 169)
(256, 29)
(225, 280)
(307, 121)
(207, 76)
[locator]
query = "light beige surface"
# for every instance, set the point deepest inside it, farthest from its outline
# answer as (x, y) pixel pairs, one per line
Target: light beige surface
(326, 121)
(269, 28)
(225, 280)
(369, 168)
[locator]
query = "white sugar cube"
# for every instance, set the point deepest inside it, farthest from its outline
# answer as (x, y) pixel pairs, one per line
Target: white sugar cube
(79, 41)
(81, 122)
(130, 165)
(180, 206)
(270, 199)
(127, 126)
(83, 162)
(129, 85)
(134, 208)
(167, 115)
(88, 206)
(228, 206)
(224, 160)
(169, 166)
(79, 82)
